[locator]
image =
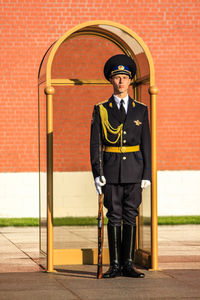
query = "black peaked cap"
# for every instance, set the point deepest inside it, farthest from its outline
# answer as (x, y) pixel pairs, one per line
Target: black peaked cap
(119, 64)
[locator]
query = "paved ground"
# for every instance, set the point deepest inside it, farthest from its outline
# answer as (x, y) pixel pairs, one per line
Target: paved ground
(22, 278)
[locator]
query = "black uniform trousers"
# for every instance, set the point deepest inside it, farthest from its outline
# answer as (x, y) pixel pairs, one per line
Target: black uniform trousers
(122, 202)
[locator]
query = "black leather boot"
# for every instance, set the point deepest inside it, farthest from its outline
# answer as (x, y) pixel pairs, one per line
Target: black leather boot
(114, 242)
(128, 246)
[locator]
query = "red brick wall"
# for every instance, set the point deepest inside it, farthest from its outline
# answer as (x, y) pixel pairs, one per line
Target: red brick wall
(170, 30)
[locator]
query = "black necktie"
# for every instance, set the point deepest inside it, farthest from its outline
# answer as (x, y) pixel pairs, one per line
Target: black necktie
(122, 111)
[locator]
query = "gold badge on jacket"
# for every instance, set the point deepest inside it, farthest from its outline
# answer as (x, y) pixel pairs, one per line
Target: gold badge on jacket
(137, 122)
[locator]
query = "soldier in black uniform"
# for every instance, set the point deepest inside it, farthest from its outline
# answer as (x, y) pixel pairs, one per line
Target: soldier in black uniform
(120, 127)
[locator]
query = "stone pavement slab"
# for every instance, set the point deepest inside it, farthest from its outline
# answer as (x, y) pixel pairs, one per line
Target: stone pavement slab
(80, 283)
(156, 285)
(178, 246)
(21, 277)
(19, 250)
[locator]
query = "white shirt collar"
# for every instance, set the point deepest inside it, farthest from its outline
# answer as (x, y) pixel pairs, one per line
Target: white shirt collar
(117, 100)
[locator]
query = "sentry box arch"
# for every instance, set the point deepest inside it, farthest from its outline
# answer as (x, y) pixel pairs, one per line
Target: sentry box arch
(71, 75)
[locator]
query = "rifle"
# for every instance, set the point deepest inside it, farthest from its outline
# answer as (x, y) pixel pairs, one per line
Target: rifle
(100, 218)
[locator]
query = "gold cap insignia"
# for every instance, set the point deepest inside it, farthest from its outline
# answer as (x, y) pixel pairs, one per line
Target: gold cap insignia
(121, 68)
(137, 122)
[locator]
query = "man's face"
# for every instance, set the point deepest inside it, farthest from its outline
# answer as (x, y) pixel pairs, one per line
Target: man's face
(120, 83)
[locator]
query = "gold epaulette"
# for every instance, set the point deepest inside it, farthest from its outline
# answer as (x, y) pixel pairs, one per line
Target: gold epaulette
(101, 102)
(140, 103)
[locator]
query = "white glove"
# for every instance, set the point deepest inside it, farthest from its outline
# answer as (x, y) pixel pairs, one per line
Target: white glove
(145, 183)
(99, 184)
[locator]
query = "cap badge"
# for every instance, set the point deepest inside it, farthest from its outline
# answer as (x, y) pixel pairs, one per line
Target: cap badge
(137, 122)
(121, 68)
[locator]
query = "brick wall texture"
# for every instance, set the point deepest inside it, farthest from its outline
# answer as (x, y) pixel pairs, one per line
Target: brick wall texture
(169, 28)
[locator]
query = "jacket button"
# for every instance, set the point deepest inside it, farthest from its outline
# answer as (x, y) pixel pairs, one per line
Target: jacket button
(124, 132)
(124, 141)
(124, 158)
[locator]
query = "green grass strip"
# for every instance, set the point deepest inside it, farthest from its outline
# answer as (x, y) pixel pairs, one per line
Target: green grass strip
(179, 220)
(92, 221)
(75, 221)
(19, 222)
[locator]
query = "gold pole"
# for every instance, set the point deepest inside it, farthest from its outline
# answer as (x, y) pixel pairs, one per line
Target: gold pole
(153, 90)
(49, 91)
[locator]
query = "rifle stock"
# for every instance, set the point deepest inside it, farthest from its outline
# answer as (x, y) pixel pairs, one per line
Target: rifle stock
(100, 237)
(100, 216)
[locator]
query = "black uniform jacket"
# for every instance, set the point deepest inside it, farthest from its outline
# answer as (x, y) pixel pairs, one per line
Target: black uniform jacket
(127, 167)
